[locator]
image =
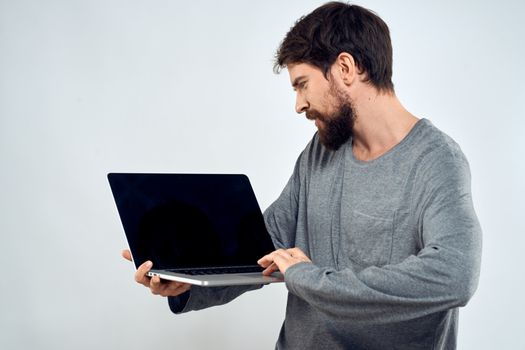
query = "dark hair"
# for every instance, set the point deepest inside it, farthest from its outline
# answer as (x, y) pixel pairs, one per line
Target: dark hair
(336, 27)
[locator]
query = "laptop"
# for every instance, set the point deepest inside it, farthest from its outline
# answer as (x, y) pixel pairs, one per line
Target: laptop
(202, 229)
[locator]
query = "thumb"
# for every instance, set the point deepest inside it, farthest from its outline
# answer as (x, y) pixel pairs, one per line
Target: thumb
(126, 254)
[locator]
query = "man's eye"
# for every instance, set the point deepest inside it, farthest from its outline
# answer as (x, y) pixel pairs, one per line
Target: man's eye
(300, 86)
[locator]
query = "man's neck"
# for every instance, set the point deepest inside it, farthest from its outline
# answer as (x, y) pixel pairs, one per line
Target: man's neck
(382, 122)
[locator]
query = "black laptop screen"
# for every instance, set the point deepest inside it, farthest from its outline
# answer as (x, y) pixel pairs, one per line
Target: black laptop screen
(190, 220)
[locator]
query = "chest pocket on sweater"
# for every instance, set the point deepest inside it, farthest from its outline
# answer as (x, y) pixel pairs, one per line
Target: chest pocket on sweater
(366, 239)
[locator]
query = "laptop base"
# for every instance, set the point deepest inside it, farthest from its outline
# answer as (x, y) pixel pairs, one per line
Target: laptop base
(217, 280)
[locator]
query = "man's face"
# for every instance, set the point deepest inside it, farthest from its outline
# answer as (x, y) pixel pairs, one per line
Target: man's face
(324, 102)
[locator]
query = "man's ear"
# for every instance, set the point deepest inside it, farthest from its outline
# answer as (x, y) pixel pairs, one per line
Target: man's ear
(346, 68)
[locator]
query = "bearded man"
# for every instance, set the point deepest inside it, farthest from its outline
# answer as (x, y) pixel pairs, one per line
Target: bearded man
(376, 233)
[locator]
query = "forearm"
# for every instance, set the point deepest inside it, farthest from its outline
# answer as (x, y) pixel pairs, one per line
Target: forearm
(431, 282)
(198, 298)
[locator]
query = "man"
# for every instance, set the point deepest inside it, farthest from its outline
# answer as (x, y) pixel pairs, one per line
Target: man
(379, 242)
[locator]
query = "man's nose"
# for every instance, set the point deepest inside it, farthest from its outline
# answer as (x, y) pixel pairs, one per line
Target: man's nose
(300, 104)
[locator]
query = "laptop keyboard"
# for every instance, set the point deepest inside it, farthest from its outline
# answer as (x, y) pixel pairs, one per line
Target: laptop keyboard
(218, 270)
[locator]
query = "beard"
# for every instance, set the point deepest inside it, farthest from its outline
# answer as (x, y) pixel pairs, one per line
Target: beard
(337, 127)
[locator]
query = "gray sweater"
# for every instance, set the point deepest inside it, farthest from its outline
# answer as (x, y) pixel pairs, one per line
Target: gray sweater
(395, 245)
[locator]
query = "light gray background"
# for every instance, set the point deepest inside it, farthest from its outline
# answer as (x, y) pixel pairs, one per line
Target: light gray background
(88, 87)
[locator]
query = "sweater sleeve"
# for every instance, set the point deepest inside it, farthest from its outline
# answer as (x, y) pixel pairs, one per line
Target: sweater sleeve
(198, 298)
(281, 216)
(442, 275)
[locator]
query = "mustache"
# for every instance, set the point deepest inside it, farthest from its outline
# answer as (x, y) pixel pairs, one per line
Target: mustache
(312, 115)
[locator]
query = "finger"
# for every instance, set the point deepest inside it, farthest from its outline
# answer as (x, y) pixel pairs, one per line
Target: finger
(140, 274)
(270, 269)
(175, 288)
(155, 285)
(168, 288)
(266, 260)
(282, 260)
(126, 254)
